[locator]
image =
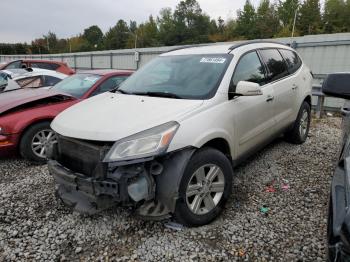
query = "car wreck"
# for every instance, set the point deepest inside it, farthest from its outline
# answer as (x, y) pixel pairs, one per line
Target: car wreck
(165, 142)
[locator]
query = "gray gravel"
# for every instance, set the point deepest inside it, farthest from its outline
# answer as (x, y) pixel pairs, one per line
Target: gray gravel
(34, 227)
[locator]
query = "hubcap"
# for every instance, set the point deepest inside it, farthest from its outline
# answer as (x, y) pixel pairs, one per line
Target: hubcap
(304, 122)
(205, 189)
(42, 139)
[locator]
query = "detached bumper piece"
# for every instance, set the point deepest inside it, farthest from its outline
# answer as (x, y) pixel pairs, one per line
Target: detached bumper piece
(87, 184)
(84, 194)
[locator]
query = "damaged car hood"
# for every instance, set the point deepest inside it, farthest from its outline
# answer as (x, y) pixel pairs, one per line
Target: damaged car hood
(16, 98)
(110, 117)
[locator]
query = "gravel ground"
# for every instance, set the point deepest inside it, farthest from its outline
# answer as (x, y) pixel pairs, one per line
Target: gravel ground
(290, 227)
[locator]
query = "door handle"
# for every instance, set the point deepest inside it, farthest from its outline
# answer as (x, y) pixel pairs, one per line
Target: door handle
(294, 87)
(270, 98)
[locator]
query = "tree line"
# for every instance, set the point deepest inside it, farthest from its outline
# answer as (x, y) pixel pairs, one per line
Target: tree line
(188, 24)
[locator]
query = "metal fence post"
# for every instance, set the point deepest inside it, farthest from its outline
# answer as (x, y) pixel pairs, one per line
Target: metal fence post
(91, 61)
(137, 60)
(75, 61)
(319, 106)
(111, 60)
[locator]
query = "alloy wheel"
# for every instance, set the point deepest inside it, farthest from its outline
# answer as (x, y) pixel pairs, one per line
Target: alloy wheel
(304, 122)
(42, 139)
(205, 189)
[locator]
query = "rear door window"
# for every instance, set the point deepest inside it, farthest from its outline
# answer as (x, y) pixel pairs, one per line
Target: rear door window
(292, 59)
(249, 68)
(276, 66)
(43, 65)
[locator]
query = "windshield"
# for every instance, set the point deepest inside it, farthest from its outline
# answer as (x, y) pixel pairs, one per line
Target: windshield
(77, 85)
(184, 76)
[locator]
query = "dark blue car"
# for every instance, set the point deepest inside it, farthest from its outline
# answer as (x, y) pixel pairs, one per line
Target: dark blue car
(338, 235)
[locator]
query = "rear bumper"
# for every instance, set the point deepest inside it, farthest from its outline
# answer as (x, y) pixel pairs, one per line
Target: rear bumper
(8, 145)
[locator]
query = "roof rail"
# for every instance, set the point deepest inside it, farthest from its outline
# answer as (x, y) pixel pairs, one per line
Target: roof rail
(187, 46)
(248, 42)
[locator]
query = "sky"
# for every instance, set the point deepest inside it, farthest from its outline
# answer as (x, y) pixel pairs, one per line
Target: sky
(23, 21)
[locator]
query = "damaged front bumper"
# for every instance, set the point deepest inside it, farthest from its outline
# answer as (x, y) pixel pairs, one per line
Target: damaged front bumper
(149, 185)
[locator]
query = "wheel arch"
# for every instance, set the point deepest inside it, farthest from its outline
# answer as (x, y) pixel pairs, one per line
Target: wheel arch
(25, 129)
(307, 99)
(220, 144)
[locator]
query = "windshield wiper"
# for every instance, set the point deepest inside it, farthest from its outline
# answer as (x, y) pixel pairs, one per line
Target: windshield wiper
(120, 91)
(159, 94)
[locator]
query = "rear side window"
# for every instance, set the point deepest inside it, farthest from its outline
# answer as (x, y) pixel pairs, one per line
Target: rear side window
(292, 59)
(14, 65)
(51, 80)
(33, 82)
(48, 66)
(276, 66)
(249, 68)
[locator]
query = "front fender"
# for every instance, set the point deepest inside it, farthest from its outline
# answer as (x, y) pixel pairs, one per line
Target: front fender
(168, 182)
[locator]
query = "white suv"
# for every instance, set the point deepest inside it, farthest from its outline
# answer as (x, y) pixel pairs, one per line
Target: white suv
(167, 140)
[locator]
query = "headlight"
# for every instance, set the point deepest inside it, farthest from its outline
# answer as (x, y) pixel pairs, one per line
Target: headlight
(147, 143)
(1, 130)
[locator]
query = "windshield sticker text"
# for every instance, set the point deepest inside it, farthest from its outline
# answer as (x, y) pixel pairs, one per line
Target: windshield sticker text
(214, 60)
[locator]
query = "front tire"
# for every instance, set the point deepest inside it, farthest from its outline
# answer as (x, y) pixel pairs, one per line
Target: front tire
(34, 141)
(204, 188)
(300, 130)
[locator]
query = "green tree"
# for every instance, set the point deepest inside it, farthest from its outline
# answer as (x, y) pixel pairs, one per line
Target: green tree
(51, 42)
(132, 26)
(117, 36)
(347, 14)
(309, 19)
(77, 44)
(221, 25)
(246, 21)
(147, 33)
(167, 28)
(94, 37)
(286, 12)
(230, 30)
(267, 23)
(191, 24)
(39, 46)
(335, 16)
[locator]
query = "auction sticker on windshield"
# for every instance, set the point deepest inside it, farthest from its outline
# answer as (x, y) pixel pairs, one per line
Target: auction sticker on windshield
(214, 60)
(91, 78)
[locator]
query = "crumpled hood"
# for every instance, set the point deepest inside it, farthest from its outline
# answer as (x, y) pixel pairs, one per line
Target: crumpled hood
(15, 98)
(110, 117)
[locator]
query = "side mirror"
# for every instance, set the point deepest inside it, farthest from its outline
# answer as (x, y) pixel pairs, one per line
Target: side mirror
(337, 85)
(245, 88)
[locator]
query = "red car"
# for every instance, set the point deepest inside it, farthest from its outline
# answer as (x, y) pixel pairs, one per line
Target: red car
(43, 64)
(26, 114)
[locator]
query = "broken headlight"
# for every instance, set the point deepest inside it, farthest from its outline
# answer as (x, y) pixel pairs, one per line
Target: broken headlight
(151, 142)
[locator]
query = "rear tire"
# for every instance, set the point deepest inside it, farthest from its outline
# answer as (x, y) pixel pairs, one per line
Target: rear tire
(34, 141)
(300, 130)
(204, 188)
